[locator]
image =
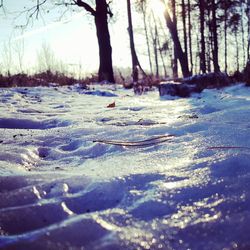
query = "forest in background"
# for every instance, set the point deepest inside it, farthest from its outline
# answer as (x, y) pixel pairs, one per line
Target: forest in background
(191, 37)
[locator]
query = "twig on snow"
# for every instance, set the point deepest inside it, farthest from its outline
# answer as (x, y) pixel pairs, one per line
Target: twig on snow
(143, 143)
(228, 147)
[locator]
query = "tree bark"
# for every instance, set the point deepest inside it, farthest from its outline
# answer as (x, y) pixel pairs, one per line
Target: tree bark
(243, 37)
(175, 58)
(237, 50)
(147, 38)
(202, 41)
(209, 41)
(100, 14)
(135, 62)
(225, 37)
(248, 29)
(179, 52)
(183, 14)
(215, 37)
(105, 50)
(156, 52)
(162, 57)
(190, 37)
(209, 53)
(197, 56)
(155, 44)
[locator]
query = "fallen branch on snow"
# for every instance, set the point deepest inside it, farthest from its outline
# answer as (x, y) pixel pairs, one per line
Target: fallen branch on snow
(143, 143)
(156, 140)
(228, 147)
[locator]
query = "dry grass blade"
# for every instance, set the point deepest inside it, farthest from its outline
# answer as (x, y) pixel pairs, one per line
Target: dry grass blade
(142, 143)
(228, 147)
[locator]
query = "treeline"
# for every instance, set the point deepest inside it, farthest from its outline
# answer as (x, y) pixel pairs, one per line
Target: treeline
(46, 78)
(206, 35)
(206, 30)
(188, 36)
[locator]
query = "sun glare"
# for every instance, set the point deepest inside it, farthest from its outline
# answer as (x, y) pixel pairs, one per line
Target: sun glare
(157, 6)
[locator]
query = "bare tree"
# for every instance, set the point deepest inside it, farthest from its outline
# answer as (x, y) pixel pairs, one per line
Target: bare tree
(161, 55)
(183, 15)
(243, 33)
(7, 57)
(248, 29)
(46, 58)
(101, 12)
(215, 36)
(175, 37)
(202, 32)
(135, 62)
(175, 57)
(142, 6)
(190, 37)
(18, 47)
(155, 36)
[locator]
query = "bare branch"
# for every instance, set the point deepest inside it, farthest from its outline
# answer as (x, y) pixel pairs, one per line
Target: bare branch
(2, 7)
(36, 9)
(64, 4)
(86, 6)
(109, 9)
(32, 12)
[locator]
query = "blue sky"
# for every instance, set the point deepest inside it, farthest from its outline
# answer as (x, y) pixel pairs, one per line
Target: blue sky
(73, 39)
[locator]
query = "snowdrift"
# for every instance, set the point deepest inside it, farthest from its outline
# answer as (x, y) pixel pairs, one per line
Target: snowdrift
(145, 173)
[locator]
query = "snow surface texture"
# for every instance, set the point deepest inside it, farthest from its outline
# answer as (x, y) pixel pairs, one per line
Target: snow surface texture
(61, 190)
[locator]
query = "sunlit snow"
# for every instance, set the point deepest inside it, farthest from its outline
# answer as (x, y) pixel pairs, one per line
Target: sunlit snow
(61, 187)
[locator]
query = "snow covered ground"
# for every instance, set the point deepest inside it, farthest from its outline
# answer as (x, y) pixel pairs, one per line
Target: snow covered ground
(62, 188)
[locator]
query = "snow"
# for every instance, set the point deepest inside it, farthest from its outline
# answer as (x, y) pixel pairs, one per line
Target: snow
(61, 187)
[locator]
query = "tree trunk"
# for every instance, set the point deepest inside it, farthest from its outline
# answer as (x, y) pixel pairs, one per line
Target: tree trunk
(243, 37)
(202, 41)
(215, 37)
(135, 62)
(175, 63)
(209, 43)
(183, 14)
(147, 40)
(225, 37)
(179, 52)
(156, 53)
(175, 59)
(162, 50)
(162, 57)
(197, 56)
(155, 44)
(248, 29)
(105, 50)
(237, 50)
(190, 37)
(209, 53)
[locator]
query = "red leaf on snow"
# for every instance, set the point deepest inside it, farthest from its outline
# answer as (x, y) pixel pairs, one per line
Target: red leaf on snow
(111, 105)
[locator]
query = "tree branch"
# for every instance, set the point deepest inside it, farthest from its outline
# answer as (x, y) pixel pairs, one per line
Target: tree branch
(86, 6)
(37, 8)
(2, 7)
(109, 9)
(33, 11)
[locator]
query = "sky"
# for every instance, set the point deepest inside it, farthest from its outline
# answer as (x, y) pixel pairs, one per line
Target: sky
(72, 39)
